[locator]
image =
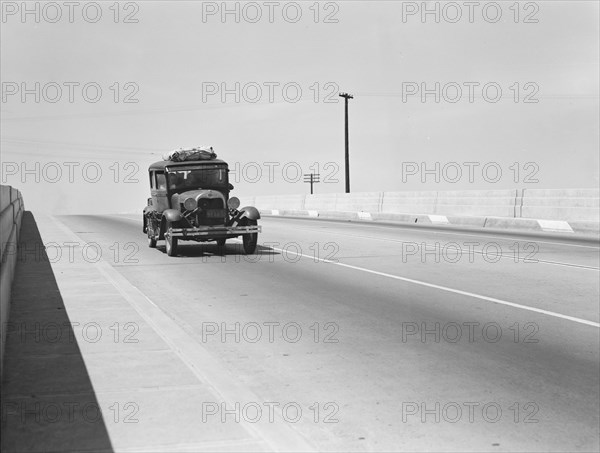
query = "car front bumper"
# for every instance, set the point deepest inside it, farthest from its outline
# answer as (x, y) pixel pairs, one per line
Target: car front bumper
(214, 232)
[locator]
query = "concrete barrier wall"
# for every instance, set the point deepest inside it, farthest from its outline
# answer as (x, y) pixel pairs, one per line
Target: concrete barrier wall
(318, 202)
(289, 201)
(552, 204)
(342, 202)
(495, 203)
(247, 201)
(499, 203)
(11, 212)
(562, 204)
(362, 201)
(409, 202)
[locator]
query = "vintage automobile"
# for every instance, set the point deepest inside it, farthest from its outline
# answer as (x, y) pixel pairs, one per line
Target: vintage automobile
(190, 202)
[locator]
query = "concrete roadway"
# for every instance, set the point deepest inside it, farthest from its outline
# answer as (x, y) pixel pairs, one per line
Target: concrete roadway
(386, 338)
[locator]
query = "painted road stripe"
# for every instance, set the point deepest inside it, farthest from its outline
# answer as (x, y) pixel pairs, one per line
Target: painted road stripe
(450, 290)
(553, 263)
(452, 233)
(418, 230)
(508, 256)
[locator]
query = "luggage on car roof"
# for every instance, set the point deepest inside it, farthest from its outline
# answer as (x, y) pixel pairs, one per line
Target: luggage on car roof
(185, 154)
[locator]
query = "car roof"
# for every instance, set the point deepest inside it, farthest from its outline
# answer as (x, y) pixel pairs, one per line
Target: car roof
(161, 164)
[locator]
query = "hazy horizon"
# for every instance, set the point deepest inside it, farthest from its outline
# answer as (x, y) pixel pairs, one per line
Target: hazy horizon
(177, 54)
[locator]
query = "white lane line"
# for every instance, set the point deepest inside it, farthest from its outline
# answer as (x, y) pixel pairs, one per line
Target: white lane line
(507, 256)
(511, 257)
(450, 290)
(453, 233)
(138, 221)
(447, 289)
(566, 244)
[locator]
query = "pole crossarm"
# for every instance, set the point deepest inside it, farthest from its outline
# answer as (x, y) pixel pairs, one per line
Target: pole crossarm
(311, 178)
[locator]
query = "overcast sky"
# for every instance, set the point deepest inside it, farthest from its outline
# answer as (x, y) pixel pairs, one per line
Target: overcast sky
(178, 56)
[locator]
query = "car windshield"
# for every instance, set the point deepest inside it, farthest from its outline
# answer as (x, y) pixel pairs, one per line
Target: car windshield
(198, 178)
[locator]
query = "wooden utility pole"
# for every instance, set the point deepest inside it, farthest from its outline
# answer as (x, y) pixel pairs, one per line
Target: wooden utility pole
(347, 96)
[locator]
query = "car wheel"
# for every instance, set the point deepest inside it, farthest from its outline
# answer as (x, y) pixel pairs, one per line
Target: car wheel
(250, 240)
(221, 242)
(170, 241)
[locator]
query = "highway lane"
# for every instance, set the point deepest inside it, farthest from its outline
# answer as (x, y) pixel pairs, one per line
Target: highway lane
(391, 363)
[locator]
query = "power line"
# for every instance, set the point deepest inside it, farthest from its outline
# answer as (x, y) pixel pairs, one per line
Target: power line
(158, 110)
(25, 141)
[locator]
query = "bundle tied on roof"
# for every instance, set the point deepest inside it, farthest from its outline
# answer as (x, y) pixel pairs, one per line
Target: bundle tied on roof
(190, 154)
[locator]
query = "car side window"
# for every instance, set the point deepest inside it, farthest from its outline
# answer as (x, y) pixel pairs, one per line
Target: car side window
(161, 181)
(152, 185)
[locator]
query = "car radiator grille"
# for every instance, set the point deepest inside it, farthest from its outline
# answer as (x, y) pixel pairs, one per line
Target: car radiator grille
(211, 212)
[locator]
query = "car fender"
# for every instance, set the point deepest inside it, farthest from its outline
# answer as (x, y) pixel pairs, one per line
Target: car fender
(172, 215)
(249, 212)
(168, 215)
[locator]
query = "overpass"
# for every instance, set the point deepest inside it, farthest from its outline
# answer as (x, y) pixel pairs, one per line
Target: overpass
(475, 328)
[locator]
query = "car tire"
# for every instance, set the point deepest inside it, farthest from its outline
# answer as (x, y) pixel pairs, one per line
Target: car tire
(250, 240)
(170, 241)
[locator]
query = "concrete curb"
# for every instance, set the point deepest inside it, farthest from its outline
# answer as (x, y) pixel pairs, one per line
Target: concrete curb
(587, 229)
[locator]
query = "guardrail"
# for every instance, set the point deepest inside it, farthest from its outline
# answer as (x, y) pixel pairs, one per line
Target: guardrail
(549, 209)
(11, 212)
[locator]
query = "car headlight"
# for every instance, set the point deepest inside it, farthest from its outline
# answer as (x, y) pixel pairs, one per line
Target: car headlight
(189, 204)
(233, 203)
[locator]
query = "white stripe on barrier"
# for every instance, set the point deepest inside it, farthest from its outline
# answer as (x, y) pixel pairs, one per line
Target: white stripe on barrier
(559, 226)
(313, 213)
(439, 219)
(364, 215)
(274, 211)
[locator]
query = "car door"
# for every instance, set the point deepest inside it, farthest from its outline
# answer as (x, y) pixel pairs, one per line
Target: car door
(159, 191)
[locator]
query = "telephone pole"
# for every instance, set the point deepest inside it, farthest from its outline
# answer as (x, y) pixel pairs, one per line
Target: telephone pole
(312, 178)
(347, 96)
